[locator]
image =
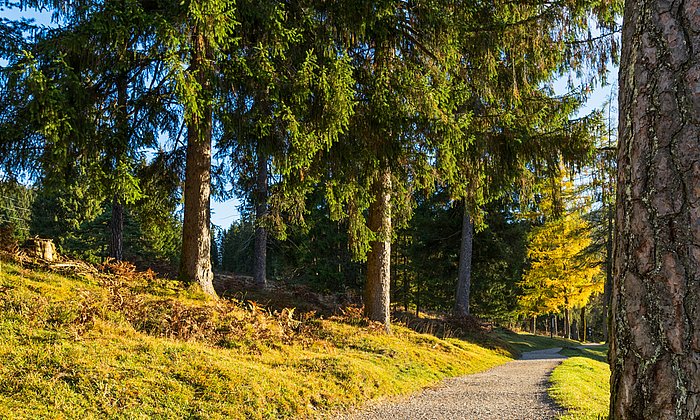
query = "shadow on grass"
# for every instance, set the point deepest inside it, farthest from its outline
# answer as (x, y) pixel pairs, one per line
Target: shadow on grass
(597, 352)
(523, 342)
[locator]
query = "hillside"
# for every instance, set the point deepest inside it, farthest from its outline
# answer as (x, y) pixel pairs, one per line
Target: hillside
(120, 344)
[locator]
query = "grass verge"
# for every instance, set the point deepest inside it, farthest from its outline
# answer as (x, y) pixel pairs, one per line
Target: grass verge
(581, 383)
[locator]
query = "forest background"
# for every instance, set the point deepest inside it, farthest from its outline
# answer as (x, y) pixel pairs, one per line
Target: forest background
(514, 165)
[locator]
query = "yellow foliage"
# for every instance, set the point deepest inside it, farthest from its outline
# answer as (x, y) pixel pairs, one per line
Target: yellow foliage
(561, 274)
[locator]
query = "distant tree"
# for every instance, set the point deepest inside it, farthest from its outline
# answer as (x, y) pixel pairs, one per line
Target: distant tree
(206, 28)
(290, 98)
(15, 209)
(237, 247)
(560, 275)
(86, 94)
(656, 299)
(518, 124)
(403, 114)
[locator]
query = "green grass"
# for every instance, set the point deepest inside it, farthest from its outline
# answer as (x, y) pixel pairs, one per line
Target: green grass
(99, 346)
(581, 383)
(523, 342)
(104, 346)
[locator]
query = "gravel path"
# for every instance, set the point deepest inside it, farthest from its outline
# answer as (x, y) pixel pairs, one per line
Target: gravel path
(515, 390)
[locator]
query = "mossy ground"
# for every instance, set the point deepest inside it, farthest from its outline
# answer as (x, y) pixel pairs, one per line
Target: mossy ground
(127, 345)
(581, 383)
(85, 346)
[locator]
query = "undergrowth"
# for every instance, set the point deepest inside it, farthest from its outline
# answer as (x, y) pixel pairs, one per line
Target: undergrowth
(115, 343)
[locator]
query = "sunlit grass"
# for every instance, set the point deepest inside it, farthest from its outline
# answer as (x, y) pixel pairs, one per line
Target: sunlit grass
(581, 383)
(71, 347)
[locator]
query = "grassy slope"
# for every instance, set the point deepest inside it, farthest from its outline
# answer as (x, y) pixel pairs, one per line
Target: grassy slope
(92, 346)
(581, 383)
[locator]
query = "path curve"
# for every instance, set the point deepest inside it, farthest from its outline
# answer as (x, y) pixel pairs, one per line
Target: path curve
(514, 390)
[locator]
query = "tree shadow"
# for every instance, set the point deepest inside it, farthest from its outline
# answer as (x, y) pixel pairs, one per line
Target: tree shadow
(597, 352)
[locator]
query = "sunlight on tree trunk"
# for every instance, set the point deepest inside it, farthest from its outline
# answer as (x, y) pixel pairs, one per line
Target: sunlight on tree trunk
(655, 339)
(195, 264)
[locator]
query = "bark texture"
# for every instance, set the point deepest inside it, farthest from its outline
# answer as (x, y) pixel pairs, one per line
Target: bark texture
(260, 246)
(655, 332)
(116, 240)
(464, 276)
(377, 293)
(195, 263)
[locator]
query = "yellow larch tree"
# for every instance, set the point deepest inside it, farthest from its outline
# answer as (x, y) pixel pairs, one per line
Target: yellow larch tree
(562, 275)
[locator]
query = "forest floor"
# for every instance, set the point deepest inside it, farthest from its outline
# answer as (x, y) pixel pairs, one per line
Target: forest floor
(82, 341)
(515, 390)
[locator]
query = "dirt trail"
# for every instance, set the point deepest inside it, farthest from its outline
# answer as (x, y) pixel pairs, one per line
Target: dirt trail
(515, 390)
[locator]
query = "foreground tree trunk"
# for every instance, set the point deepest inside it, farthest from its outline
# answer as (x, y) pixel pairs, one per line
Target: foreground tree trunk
(379, 259)
(655, 331)
(464, 275)
(582, 326)
(260, 246)
(195, 262)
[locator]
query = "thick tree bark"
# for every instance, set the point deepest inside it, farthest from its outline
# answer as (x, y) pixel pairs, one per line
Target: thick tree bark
(582, 326)
(377, 291)
(464, 275)
(655, 331)
(260, 246)
(195, 263)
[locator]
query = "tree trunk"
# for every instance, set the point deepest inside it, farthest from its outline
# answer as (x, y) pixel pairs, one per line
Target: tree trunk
(534, 324)
(567, 324)
(379, 259)
(655, 331)
(116, 240)
(582, 326)
(195, 262)
(461, 308)
(417, 297)
(260, 246)
(406, 283)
